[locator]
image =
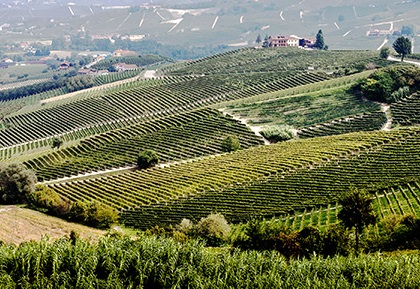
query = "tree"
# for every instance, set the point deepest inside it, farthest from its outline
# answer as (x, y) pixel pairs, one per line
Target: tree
(384, 52)
(56, 143)
(258, 40)
(266, 42)
(230, 144)
(407, 30)
(356, 212)
(16, 183)
(147, 159)
(319, 43)
(214, 229)
(402, 46)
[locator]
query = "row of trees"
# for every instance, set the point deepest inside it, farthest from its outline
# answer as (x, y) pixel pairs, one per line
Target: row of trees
(18, 186)
(71, 83)
(356, 213)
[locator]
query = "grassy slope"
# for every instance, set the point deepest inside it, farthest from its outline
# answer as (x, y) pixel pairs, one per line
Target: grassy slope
(20, 224)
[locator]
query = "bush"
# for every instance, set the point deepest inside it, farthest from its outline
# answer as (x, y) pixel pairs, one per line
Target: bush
(214, 229)
(56, 143)
(45, 200)
(230, 144)
(93, 214)
(384, 52)
(388, 85)
(147, 159)
(16, 183)
(278, 133)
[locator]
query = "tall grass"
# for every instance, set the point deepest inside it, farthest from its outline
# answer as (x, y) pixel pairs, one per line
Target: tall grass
(151, 262)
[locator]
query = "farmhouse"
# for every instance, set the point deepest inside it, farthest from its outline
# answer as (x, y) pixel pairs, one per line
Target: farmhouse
(289, 41)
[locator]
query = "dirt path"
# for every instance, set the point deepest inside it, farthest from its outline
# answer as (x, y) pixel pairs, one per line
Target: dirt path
(148, 74)
(255, 129)
(406, 61)
(386, 109)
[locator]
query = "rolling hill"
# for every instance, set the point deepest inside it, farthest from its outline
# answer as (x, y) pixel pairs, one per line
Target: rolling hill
(341, 141)
(209, 23)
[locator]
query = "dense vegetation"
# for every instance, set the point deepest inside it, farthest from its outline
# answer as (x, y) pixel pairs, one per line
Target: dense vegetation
(390, 84)
(164, 263)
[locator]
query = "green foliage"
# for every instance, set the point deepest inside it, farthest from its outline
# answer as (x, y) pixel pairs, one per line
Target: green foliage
(402, 46)
(93, 214)
(46, 200)
(230, 144)
(356, 212)
(320, 42)
(56, 143)
(260, 234)
(79, 82)
(384, 52)
(214, 229)
(147, 159)
(400, 94)
(16, 182)
(277, 133)
(381, 85)
(151, 262)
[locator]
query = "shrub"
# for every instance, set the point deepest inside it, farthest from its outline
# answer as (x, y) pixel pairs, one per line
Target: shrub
(388, 85)
(384, 52)
(214, 229)
(147, 159)
(56, 143)
(230, 144)
(47, 201)
(278, 133)
(93, 214)
(16, 182)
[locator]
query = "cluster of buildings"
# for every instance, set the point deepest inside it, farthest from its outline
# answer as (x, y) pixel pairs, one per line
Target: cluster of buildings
(288, 41)
(378, 32)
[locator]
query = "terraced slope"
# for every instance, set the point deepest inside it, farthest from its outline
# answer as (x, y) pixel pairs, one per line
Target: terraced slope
(272, 59)
(407, 111)
(183, 136)
(304, 109)
(214, 80)
(365, 122)
(268, 181)
(398, 200)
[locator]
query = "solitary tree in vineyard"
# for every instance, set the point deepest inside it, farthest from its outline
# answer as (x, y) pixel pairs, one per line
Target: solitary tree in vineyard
(402, 46)
(356, 212)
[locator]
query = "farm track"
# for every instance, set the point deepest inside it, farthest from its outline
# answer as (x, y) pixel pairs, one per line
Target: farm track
(148, 74)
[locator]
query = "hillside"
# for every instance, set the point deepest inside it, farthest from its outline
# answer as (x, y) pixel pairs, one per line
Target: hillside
(185, 110)
(185, 30)
(23, 225)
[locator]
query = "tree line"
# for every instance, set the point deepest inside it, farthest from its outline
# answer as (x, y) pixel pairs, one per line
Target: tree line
(72, 83)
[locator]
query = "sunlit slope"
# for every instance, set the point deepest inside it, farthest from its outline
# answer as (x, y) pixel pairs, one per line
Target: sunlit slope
(184, 136)
(269, 180)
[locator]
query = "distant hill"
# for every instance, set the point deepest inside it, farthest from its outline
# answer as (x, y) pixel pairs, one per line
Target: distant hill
(205, 23)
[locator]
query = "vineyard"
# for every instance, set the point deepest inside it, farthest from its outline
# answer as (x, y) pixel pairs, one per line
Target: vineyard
(104, 129)
(184, 136)
(406, 112)
(269, 184)
(399, 200)
(305, 109)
